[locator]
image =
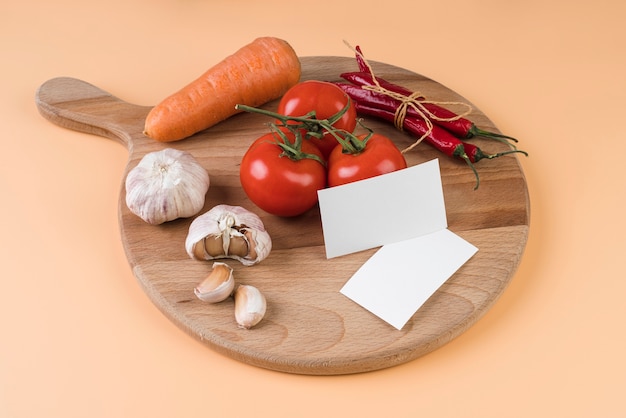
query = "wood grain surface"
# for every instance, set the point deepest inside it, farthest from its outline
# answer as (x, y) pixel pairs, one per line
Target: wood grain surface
(309, 328)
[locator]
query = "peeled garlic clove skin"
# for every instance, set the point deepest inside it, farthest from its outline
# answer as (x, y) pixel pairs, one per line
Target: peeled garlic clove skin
(250, 306)
(166, 185)
(218, 285)
(227, 222)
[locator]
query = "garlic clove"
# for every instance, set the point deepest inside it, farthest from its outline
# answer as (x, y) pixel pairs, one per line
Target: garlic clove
(250, 306)
(218, 285)
(228, 232)
(259, 244)
(166, 185)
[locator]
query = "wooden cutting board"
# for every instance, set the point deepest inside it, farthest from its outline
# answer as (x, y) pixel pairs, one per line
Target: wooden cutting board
(309, 328)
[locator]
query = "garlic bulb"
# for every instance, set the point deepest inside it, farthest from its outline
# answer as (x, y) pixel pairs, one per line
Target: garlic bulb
(218, 285)
(166, 185)
(250, 306)
(228, 232)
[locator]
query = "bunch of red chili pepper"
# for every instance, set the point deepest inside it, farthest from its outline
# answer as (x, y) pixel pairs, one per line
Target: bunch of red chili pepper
(444, 129)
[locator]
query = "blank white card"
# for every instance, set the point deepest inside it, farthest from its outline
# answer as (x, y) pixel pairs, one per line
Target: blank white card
(382, 210)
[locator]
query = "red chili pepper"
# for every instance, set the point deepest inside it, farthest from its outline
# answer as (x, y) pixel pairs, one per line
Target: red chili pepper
(369, 102)
(360, 60)
(462, 127)
(475, 154)
(436, 136)
(375, 99)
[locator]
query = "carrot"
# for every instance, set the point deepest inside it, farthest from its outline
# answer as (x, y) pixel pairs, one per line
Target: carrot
(255, 74)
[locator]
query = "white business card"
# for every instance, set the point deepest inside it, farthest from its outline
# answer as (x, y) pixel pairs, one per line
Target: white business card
(396, 281)
(382, 210)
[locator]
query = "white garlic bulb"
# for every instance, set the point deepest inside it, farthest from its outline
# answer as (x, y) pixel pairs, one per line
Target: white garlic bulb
(166, 185)
(228, 232)
(250, 306)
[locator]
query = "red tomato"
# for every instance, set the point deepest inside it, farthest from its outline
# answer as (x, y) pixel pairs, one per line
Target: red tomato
(326, 100)
(276, 183)
(380, 156)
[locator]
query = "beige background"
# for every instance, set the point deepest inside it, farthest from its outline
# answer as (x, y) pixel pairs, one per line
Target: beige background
(80, 339)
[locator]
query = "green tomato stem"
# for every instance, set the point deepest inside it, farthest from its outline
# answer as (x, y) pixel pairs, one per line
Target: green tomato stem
(314, 127)
(293, 151)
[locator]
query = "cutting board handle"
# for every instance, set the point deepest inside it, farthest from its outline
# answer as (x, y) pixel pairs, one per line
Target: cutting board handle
(77, 105)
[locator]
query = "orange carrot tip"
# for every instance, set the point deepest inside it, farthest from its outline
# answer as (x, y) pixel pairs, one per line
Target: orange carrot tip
(255, 74)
